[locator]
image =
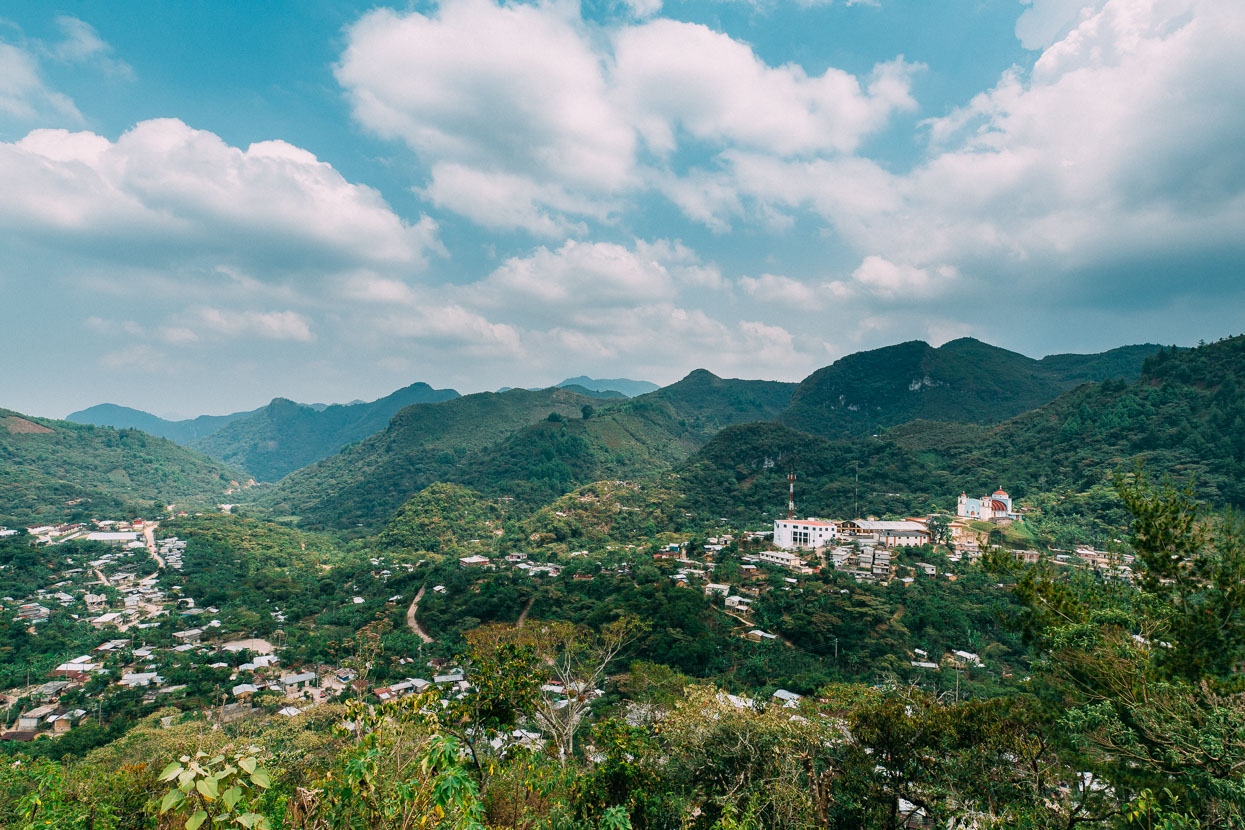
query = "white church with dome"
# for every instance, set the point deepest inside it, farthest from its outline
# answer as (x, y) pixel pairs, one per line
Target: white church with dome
(997, 505)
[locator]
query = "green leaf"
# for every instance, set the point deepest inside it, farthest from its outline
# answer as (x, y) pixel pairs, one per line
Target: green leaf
(232, 796)
(171, 799)
(207, 788)
(194, 821)
(250, 819)
(247, 764)
(171, 771)
(261, 778)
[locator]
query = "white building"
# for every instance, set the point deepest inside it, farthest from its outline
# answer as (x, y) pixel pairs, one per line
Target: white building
(998, 505)
(889, 534)
(804, 533)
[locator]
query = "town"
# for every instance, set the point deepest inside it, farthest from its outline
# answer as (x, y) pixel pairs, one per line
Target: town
(155, 642)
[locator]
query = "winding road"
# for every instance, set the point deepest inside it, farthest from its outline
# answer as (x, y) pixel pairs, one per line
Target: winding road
(413, 623)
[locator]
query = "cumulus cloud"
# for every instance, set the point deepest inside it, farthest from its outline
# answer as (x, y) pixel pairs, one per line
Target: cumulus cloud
(166, 190)
(672, 76)
(270, 325)
(587, 284)
(1120, 147)
(527, 117)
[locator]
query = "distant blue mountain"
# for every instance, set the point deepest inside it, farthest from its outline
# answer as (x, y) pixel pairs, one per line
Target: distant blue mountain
(630, 388)
(180, 432)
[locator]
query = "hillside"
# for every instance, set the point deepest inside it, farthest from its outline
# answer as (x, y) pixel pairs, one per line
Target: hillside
(963, 380)
(61, 470)
(423, 443)
(284, 436)
(635, 438)
(1184, 417)
(625, 386)
(181, 432)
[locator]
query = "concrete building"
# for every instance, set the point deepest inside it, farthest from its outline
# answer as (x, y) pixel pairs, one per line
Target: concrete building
(790, 534)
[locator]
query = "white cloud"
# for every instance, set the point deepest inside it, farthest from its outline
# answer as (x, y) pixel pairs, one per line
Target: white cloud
(1121, 146)
(166, 192)
(883, 278)
(272, 325)
(82, 44)
(775, 289)
(528, 117)
(673, 76)
(25, 98)
(1044, 22)
(579, 278)
(269, 325)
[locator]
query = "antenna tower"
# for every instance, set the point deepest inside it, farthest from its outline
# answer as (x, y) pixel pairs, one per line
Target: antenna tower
(791, 495)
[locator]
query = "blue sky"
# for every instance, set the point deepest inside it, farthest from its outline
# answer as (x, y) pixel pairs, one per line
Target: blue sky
(207, 204)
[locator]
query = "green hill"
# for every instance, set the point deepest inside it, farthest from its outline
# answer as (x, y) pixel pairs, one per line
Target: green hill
(1184, 417)
(182, 432)
(443, 518)
(61, 470)
(634, 438)
(532, 446)
(423, 443)
(284, 436)
(963, 380)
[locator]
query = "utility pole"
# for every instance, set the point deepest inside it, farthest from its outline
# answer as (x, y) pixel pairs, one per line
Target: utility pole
(791, 495)
(857, 510)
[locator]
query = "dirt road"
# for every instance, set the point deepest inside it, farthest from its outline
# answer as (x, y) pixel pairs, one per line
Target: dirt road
(413, 623)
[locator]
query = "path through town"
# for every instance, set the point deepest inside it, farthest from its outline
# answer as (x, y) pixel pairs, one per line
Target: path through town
(411, 622)
(149, 531)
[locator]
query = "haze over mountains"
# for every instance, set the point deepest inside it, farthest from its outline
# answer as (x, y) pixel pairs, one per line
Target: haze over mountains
(124, 417)
(354, 465)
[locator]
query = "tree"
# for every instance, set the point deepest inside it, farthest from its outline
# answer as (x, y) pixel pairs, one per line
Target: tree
(939, 529)
(572, 660)
(587, 411)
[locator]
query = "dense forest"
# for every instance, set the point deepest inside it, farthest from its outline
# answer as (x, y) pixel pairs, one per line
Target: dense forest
(57, 470)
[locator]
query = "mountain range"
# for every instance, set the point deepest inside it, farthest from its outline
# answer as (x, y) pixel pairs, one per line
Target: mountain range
(939, 416)
(183, 432)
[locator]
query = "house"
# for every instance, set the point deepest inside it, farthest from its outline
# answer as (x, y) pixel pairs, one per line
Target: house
(716, 588)
(33, 612)
(299, 680)
(738, 603)
(111, 618)
(756, 635)
(474, 561)
(804, 533)
(780, 558)
(928, 569)
(135, 679)
(789, 700)
(190, 635)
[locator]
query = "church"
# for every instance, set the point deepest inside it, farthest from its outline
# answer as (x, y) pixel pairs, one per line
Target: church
(998, 505)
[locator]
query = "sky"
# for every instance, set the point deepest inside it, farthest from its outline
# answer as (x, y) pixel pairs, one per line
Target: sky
(206, 205)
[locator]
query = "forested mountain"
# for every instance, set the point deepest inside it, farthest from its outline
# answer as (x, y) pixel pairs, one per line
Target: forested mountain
(532, 446)
(963, 380)
(61, 470)
(1184, 417)
(284, 436)
(366, 482)
(183, 432)
(628, 387)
